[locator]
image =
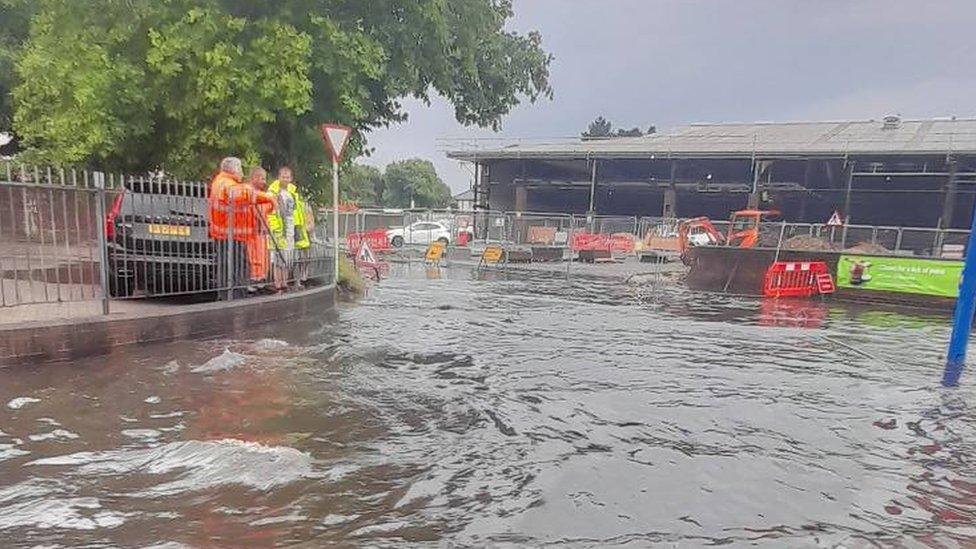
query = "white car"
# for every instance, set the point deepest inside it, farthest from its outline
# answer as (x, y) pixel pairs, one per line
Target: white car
(420, 232)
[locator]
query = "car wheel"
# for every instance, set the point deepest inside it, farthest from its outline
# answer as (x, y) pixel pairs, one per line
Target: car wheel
(397, 241)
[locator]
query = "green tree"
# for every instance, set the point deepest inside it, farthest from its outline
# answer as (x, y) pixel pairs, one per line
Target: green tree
(139, 84)
(600, 127)
(14, 24)
(633, 132)
(603, 128)
(361, 184)
(415, 180)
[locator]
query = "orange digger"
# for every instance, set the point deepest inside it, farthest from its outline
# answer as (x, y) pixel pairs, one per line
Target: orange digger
(743, 231)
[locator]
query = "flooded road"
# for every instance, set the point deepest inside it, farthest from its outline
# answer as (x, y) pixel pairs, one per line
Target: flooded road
(525, 411)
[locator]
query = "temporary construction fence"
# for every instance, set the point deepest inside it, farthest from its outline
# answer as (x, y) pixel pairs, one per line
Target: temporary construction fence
(562, 235)
(75, 236)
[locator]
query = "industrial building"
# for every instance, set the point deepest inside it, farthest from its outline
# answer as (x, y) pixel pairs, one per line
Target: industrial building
(878, 172)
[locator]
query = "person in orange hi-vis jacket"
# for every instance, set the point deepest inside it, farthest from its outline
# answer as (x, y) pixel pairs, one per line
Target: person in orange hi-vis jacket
(230, 173)
(257, 247)
(248, 226)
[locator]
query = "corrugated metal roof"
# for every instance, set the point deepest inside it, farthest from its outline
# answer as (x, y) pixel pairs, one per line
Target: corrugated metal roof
(767, 139)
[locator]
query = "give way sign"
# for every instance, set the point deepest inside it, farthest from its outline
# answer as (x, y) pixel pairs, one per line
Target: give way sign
(336, 137)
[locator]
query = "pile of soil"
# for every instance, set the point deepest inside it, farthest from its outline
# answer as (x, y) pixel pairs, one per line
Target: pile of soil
(806, 242)
(868, 248)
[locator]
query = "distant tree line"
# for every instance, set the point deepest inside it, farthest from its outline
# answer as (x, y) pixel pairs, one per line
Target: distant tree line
(413, 180)
(602, 128)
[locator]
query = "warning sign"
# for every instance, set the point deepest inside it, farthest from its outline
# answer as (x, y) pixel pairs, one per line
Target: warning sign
(835, 220)
(492, 254)
(365, 254)
(434, 252)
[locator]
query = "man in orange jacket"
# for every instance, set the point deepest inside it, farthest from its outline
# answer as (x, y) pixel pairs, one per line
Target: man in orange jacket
(220, 214)
(259, 204)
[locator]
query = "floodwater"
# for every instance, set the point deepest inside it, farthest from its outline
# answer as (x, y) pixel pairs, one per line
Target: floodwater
(452, 409)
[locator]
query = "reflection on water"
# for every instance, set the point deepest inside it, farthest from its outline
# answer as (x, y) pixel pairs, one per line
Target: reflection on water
(522, 409)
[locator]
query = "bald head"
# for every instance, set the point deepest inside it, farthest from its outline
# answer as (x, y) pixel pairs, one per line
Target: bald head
(258, 178)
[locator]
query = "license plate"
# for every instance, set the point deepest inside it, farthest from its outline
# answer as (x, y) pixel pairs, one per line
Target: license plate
(169, 230)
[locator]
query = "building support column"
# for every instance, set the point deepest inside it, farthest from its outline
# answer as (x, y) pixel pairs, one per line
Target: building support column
(949, 200)
(753, 203)
(593, 188)
(847, 195)
(670, 207)
(521, 198)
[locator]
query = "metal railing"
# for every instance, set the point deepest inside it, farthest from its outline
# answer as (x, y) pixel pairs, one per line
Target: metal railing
(621, 235)
(73, 236)
(883, 240)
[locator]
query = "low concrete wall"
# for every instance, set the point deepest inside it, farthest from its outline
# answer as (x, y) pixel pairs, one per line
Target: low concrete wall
(65, 340)
(742, 271)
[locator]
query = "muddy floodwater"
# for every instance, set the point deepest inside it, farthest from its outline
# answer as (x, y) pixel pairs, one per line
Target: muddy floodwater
(447, 409)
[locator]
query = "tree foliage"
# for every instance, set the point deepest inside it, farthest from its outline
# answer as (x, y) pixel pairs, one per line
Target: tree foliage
(14, 23)
(602, 128)
(633, 132)
(414, 182)
(141, 84)
(361, 184)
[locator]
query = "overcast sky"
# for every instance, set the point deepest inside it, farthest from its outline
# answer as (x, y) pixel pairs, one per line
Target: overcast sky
(670, 62)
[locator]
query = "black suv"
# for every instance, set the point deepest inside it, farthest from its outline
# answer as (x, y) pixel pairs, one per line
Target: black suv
(158, 241)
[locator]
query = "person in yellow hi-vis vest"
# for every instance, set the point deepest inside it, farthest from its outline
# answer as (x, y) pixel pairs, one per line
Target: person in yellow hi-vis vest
(279, 226)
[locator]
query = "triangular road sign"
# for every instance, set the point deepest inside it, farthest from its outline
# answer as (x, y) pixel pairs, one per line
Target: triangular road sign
(336, 137)
(365, 254)
(835, 220)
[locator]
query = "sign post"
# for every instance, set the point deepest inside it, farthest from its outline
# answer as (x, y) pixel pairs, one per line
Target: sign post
(336, 138)
(962, 318)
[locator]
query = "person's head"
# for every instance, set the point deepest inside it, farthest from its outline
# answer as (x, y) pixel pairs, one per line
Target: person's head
(233, 166)
(258, 178)
(285, 175)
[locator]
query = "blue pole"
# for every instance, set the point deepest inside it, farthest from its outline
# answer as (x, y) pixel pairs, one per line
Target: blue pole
(962, 319)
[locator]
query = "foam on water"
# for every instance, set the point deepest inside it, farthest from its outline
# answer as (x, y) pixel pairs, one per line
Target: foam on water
(57, 434)
(224, 361)
(200, 464)
(20, 402)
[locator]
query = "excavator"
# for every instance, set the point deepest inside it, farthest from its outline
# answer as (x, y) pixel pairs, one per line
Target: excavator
(743, 232)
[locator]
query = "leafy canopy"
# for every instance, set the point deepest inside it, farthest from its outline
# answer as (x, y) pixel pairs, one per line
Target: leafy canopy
(603, 128)
(176, 84)
(414, 182)
(361, 184)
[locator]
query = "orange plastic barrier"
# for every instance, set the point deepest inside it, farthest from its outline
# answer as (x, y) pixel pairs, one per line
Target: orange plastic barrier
(617, 242)
(376, 238)
(797, 279)
(589, 241)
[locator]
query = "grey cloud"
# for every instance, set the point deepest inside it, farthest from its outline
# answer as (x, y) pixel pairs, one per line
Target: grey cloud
(671, 62)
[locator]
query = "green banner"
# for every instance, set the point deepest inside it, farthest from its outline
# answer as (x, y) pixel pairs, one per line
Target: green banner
(899, 274)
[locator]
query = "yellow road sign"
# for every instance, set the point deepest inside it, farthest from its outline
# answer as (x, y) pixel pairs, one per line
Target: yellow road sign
(434, 252)
(492, 254)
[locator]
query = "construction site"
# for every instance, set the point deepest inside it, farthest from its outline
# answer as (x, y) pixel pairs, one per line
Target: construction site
(893, 172)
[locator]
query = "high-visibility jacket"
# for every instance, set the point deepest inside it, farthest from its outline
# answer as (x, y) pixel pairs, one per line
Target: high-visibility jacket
(277, 224)
(219, 203)
(244, 200)
(257, 250)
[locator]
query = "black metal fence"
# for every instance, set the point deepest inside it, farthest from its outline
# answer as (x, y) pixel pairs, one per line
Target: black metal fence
(75, 235)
